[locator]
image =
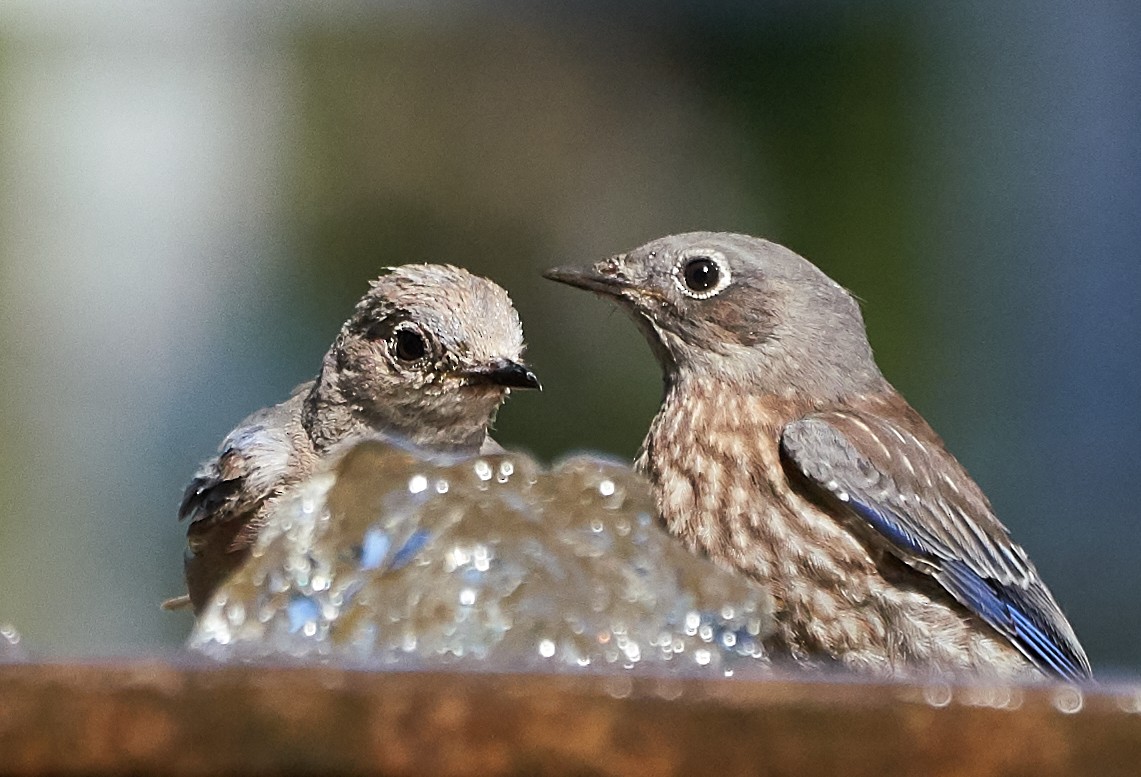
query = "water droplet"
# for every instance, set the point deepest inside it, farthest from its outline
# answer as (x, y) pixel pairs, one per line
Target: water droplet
(619, 686)
(482, 470)
(606, 488)
(546, 648)
(1068, 700)
(441, 486)
(418, 484)
(937, 694)
(481, 558)
(467, 597)
(701, 656)
(1130, 702)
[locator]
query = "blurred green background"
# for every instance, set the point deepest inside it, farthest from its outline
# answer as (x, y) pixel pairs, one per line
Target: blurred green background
(194, 193)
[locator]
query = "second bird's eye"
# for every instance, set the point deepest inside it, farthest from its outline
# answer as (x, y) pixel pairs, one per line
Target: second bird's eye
(702, 277)
(409, 345)
(701, 274)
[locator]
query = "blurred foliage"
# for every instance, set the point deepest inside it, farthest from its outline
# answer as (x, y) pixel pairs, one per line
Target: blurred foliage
(827, 109)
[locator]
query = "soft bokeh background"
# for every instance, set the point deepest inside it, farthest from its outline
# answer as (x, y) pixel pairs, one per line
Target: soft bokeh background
(193, 194)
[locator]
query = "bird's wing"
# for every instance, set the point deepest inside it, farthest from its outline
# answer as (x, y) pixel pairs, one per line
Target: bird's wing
(248, 468)
(933, 517)
(218, 491)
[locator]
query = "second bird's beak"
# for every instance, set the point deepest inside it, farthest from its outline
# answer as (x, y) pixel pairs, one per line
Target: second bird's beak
(601, 278)
(507, 373)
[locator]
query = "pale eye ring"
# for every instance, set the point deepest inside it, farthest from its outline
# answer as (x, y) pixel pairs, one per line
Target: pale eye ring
(701, 275)
(408, 345)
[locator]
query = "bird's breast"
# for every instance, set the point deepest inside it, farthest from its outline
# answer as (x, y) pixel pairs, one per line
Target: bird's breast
(714, 459)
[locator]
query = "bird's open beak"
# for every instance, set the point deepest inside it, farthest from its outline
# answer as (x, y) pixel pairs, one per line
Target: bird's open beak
(507, 373)
(601, 278)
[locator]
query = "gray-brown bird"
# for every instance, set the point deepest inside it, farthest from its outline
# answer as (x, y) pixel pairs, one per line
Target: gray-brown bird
(428, 356)
(781, 451)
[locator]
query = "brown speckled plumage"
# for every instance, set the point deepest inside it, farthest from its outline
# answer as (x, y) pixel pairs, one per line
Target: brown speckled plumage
(782, 452)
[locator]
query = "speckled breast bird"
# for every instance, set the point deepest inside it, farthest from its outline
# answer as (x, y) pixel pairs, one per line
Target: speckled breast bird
(781, 451)
(428, 356)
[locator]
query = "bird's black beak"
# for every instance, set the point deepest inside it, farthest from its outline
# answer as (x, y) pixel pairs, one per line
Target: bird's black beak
(602, 278)
(507, 373)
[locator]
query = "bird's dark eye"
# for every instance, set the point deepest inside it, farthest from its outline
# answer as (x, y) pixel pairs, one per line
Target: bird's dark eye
(702, 276)
(409, 345)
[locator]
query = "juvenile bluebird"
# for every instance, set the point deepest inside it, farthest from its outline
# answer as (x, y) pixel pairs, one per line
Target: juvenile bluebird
(781, 451)
(429, 355)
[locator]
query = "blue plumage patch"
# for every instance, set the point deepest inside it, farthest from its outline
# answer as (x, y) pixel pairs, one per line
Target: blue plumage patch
(1003, 607)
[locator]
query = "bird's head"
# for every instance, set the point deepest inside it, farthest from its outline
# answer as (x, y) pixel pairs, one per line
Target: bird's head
(430, 353)
(739, 308)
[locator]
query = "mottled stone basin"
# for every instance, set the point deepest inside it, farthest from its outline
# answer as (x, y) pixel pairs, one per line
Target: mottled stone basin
(209, 719)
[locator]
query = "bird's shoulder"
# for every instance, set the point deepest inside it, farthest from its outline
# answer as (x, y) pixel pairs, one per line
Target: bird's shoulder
(252, 462)
(879, 451)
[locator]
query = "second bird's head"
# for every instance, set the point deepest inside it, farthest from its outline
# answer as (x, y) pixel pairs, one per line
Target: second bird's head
(740, 309)
(430, 352)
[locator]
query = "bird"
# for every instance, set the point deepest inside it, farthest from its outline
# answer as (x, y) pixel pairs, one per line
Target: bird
(427, 357)
(782, 452)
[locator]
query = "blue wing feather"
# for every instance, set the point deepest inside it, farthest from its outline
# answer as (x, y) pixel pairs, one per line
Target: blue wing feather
(1000, 606)
(979, 576)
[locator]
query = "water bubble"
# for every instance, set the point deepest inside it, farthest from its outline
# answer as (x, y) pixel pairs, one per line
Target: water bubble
(606, 488)
(1068, 700)
(467, 597)
(418, 484)
(546, 648)
(1130, 702)
(619, 686)
(441, 486)
(702, 656)
(482, 470)
(481, 558)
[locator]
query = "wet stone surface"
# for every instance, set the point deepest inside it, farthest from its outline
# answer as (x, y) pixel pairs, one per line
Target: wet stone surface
(490, 563)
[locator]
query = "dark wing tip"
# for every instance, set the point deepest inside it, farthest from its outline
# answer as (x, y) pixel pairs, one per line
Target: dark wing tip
(204, 496)
(1012, 611)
